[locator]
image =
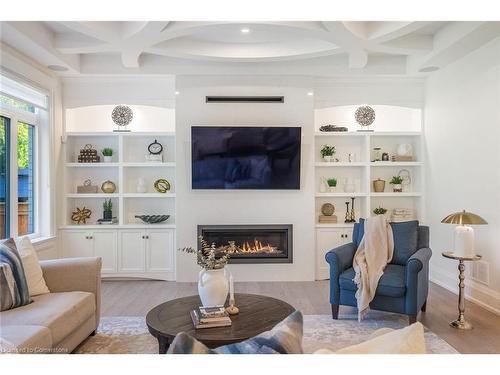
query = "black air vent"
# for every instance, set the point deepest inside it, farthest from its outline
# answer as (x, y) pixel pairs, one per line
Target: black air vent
(245, 99)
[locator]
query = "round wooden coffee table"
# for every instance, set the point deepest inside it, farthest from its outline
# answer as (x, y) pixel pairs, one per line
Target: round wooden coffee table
(257, 314)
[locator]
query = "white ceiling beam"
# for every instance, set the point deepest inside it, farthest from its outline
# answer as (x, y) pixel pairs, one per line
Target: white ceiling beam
(110, 32)
(454, 41)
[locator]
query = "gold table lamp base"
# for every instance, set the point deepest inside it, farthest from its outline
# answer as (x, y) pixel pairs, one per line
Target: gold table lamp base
(461, 324)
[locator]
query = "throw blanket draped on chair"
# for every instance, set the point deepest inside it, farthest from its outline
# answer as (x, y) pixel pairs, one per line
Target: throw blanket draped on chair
(373, 254)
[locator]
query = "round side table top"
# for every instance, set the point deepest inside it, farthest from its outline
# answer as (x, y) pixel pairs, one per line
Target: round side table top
(257, 314)
(452, 255)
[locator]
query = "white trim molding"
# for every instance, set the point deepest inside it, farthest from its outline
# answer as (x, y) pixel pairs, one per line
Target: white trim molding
(475, 292)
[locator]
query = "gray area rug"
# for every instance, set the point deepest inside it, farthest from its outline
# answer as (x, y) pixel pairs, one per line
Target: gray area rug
(129, 335)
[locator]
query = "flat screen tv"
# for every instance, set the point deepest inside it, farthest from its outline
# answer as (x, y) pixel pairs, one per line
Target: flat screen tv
(245, 157)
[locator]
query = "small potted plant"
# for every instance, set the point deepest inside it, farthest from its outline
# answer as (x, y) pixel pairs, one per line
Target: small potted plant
(396, 183)
(108, 154)
(327, 152)
(380, 211)
(212, 281)
(107, 213)
(332, 184)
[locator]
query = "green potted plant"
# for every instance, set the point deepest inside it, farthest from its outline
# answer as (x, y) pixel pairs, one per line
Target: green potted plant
(108, 154)
(332, 184)
(380, 211)
(212, 281)
(396, 183)
(327, 152)
(107, 213)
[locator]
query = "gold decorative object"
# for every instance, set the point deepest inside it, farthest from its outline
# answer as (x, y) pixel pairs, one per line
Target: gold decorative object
(88, 154)
(162, 186)
(460, 322)
(81, 215)
(108, 187)
(232, 310)
(378, 185)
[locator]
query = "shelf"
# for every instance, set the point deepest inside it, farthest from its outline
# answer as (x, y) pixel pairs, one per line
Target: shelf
(148, 164)
(339, 134)
(363, 134)
(117, 226)
(93, 165)
(338, 225)
(340, 195)
(396, 164)
(126, 134)
(396, 134)
(331, 164)
(396, 195)
(148, 195)
(92, 195)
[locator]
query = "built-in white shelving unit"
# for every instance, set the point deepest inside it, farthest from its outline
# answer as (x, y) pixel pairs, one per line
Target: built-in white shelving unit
(362, 171)
(129, 248)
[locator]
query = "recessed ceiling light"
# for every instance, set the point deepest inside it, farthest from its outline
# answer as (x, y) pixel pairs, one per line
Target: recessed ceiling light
(58, 68)
(245, 30)
(310, 93)
(177, 93)
(429, 69)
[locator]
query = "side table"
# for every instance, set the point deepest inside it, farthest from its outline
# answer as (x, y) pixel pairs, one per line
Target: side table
(460, 322)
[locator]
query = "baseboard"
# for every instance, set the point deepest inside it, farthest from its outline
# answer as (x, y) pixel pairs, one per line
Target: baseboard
(475, 292)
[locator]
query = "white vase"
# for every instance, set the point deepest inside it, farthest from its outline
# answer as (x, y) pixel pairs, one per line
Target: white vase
(323, 186)
(141, 185)
(327, 158)
(213, 287)
(333, 189)
(108, 159)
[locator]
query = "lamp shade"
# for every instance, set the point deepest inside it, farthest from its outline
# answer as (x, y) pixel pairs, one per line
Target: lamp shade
(464, 218)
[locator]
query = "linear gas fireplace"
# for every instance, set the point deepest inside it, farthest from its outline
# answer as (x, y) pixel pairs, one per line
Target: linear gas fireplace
(251, 243)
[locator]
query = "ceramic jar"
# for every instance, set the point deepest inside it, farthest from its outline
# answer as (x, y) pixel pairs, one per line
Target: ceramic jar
(213, 287)
(397, 188)
(108, 159)
(378, 185)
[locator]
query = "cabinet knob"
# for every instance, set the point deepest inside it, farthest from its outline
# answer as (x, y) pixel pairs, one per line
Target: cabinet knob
(143, 237)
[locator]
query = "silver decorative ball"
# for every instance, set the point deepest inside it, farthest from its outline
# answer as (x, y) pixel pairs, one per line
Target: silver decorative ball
(122, 115)
(364, 115)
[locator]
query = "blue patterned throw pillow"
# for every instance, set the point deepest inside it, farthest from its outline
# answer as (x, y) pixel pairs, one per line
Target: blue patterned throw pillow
(13, 286)
(284, 338)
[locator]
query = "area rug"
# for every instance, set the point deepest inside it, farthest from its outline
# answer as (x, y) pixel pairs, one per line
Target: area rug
(129, 335)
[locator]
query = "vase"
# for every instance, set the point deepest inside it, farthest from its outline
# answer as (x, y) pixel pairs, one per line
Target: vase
(332, 189)
(108, 159)
(213, 287)
(379, 185)
(327, 158)
(107, 215)
(397, 188)
(141, 185)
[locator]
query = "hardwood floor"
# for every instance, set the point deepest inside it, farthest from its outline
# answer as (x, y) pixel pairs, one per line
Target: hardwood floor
(136, 298)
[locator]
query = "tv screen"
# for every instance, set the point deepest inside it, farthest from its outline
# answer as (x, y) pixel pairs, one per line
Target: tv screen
(243, 157)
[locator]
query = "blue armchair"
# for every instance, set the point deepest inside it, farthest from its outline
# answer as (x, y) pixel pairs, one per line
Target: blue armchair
(403, 287)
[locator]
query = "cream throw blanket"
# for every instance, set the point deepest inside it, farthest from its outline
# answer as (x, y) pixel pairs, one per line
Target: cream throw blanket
(373, 254)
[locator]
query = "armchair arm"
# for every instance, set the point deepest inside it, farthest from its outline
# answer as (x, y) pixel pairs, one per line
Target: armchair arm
(339, 259)
(74, 275)
(417, 280)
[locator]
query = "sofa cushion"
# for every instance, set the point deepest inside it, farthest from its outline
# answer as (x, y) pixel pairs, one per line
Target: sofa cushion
(29, 339)
(391, 284)
(405, 241)
(14, 290)
(284, 338)
(32, 269)
(408, 340)
(62, 313)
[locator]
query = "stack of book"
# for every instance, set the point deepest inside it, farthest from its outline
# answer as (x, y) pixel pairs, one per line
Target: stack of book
(401, 158)
(210, 317)
(328, 219)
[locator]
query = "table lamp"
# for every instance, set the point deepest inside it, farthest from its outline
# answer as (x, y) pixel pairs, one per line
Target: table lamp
(464, 234)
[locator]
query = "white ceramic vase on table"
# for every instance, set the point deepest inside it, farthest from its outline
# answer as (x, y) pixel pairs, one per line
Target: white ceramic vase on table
(213, 287)
(108, 159)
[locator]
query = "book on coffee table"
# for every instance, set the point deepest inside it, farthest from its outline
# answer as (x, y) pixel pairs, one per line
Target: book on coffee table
(223, 321)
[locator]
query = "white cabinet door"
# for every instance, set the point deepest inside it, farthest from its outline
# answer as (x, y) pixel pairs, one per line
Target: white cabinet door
(76, 243)
(326, 240)
(132, 248)
(105, 246)
(160, 250)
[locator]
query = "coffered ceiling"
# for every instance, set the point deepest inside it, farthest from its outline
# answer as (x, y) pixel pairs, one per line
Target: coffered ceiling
(308, 48)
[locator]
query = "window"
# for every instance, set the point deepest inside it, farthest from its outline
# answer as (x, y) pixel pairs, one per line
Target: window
(20, 110)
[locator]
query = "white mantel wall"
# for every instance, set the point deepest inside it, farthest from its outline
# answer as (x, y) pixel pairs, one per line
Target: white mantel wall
(295, 207)
(462, 122)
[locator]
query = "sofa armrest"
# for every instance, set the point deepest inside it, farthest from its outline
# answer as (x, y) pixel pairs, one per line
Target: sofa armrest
(341, 257)
(417, 280)
(74, 275)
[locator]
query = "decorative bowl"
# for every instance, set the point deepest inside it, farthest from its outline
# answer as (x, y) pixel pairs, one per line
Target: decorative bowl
(152, 219)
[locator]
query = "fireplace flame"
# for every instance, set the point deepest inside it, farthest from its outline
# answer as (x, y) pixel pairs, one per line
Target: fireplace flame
(248, 247)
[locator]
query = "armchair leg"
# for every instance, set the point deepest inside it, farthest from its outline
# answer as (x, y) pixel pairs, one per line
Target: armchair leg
(412, 319)
(335, 311)
(424, 306)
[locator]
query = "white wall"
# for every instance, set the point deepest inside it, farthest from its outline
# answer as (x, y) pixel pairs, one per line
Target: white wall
(246, 207)
(462, 122)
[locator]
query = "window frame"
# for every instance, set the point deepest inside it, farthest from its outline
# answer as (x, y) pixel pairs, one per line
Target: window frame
(16, 115)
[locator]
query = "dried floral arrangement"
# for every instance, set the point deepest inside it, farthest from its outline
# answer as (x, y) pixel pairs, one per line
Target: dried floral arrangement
(205, 257)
